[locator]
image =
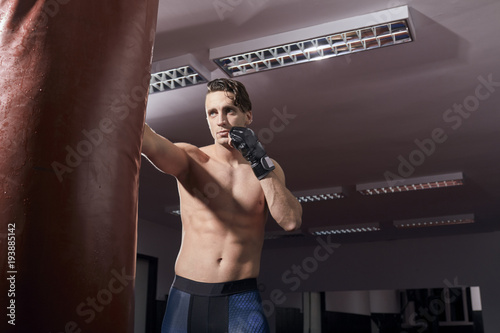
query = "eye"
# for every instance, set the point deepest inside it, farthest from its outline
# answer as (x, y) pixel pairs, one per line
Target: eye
(212, 113)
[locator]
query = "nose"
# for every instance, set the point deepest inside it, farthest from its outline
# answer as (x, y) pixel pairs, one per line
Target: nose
(221, 119)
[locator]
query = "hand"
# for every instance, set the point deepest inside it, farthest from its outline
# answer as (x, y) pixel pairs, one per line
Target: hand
(245, 140)
(230, 142)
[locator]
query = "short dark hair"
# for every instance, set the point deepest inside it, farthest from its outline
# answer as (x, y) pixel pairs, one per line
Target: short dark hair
(241, 98)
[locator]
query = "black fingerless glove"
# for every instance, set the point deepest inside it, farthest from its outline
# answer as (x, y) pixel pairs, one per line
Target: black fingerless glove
(245, 140)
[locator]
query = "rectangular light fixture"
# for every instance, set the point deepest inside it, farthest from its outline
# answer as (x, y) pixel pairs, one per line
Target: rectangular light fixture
(320, 194)
(170, 79)
(412, 184)
(283, 234)
(180, 72)
(435, 221)
(174, 210)
(345, 229)
(347, 36)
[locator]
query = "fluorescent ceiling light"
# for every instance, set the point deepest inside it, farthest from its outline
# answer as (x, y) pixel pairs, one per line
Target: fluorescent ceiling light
(170, 74)
(175, 78)
(174, 210)
(347, 36)
(435, 221)
(320, 194)
(345, 229)
(412, 184)
(283, 234)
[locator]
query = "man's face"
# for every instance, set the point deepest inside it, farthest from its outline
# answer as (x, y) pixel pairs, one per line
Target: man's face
(222, 115)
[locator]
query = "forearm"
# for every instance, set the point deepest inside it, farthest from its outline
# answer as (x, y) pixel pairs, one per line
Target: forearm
(283, 205)
(147, 140)
(162, 153)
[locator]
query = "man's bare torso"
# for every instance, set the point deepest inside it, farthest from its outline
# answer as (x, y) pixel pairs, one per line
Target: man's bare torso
(223, 211)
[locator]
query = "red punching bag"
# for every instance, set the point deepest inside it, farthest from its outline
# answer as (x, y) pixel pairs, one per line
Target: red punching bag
(74, 77)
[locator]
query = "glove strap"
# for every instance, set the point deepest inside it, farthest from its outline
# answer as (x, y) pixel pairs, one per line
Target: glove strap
(263, 167)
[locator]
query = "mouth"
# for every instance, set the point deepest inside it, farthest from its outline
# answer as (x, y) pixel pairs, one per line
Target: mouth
(223, 133)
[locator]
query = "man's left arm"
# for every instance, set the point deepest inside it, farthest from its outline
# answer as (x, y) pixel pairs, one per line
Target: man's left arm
(283, 205)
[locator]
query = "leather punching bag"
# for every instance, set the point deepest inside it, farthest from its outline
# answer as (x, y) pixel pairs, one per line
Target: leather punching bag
(74, 77)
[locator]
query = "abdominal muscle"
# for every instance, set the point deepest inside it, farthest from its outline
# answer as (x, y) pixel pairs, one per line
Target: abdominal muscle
(214, 250)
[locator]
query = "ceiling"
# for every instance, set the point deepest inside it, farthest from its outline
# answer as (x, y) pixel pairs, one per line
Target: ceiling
(351, 119)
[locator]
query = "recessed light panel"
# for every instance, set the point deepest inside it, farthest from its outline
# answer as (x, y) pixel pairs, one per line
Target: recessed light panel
(179, 72)
(175, 78)
(435, 221)
(345, 229)
(412, 184)
(329, 193)
(360, 33)
(283, 234)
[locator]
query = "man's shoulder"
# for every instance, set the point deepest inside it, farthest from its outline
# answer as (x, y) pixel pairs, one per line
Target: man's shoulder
(186, 146)
(202, 154)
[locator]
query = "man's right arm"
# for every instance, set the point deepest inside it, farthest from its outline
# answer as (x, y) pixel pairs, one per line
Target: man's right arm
(163, 154)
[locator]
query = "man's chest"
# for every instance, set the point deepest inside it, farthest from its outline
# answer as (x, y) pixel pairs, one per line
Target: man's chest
(221, 186)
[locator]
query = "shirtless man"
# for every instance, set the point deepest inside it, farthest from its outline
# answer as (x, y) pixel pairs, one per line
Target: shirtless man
(225, 199)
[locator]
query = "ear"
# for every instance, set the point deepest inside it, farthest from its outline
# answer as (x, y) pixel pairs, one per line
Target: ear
(249, 117)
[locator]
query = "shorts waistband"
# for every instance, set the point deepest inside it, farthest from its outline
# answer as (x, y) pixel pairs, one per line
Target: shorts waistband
(214, 289)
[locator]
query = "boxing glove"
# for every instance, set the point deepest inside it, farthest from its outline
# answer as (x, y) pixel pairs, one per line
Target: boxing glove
(245, 140)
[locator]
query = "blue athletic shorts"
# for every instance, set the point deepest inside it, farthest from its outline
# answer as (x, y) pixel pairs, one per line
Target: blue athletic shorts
(197, 307)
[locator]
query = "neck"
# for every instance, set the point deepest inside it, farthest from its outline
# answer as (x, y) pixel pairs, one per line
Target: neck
(228, 154)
